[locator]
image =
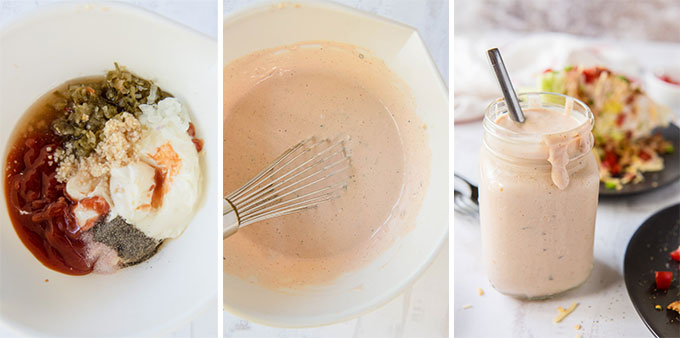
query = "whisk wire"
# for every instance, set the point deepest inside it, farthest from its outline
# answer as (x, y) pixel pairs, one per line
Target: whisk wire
(288, 207)
(270, 171)
(283, 212)
(293, 182)
(289, 181)
(281, 163)
(277, 197)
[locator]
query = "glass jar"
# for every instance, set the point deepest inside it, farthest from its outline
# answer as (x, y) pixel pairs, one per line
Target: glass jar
(537, 212)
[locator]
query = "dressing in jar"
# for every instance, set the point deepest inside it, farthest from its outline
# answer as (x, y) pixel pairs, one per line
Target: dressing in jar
(538, 195)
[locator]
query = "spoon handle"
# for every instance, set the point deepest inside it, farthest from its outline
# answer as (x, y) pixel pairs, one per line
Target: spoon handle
(506, 86)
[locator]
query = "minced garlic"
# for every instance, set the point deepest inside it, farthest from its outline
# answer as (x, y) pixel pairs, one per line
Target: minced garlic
(117, 149)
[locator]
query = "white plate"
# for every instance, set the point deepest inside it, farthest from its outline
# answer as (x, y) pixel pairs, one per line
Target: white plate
(59, 43)
(401, 47)
(664, 92)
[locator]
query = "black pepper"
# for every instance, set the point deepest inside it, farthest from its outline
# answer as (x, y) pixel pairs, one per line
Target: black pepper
(132, 245)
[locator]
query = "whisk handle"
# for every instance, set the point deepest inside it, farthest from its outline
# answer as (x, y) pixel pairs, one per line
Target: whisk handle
(230, 221)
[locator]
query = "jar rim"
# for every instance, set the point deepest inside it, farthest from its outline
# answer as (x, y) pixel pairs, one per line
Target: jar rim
(537, 162)
(516, 137)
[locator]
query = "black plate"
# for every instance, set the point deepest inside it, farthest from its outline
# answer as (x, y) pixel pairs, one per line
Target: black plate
(648, 251)
(653, 180)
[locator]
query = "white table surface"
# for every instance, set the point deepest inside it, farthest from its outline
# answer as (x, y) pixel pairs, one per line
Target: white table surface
(200, 15)
(423, 309)
(605, 309)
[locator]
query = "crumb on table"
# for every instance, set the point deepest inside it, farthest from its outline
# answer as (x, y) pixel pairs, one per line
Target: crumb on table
(564, 313)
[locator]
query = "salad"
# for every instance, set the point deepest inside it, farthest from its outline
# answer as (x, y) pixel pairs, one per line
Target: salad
(625, 117)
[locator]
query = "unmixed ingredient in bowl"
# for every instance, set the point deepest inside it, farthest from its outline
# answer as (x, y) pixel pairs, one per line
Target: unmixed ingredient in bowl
(131, 244)
(102, 171)
(88, 106)
(276, 97)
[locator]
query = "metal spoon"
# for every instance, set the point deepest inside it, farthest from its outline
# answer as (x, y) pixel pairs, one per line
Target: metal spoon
(509, 94)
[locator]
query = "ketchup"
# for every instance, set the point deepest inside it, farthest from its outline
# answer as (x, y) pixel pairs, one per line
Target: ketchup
(38, 206)
(198, 143)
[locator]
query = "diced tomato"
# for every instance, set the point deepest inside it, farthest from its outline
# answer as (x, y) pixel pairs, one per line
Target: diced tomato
(611, 162)
(676, 254)
(620, 118)
(663, 279)
(645, 156)
(610, 159)
(548, 70)
(668, 79)
(593, 73)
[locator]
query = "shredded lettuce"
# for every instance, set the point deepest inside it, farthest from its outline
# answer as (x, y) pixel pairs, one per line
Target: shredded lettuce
(553, 82)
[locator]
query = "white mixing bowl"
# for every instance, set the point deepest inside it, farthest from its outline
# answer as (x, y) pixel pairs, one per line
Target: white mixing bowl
(277, 24)
(59, 43)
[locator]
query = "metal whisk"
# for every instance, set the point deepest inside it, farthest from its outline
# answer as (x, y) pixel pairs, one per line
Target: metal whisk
(311, 172)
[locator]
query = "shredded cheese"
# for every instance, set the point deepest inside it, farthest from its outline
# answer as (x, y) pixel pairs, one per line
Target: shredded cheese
(480, 291)
(675, 306)
(565, 313)
(467, 306)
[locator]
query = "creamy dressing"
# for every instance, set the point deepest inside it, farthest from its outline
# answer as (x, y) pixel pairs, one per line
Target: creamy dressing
(275, 98)
(559, 130)
(541, 121)
(538, 201)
